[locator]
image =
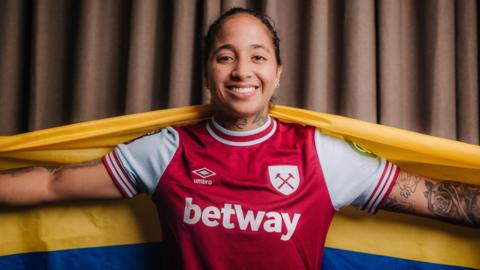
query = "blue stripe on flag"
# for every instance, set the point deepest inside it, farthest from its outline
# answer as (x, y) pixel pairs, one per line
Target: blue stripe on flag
(137, 256)
(146, 257)
(338, 259)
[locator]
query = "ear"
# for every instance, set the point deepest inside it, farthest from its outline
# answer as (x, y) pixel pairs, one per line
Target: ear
(279, 71)
(279, 74)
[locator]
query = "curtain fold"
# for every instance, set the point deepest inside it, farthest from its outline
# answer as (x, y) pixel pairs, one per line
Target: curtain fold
(409, 64)
(466, 72)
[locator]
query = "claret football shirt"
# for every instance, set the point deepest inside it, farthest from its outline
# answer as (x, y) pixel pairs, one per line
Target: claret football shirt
(254, 199)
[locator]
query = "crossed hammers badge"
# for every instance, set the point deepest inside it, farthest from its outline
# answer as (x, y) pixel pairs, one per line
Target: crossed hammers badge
(284, 178)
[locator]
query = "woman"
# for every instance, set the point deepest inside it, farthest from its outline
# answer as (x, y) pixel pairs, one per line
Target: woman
(244, 191)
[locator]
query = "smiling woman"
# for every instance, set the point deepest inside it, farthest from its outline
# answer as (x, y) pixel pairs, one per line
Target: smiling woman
(243, 68)
(243, 190)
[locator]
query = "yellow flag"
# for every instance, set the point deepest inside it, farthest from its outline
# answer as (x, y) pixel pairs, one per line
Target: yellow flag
(94, 224)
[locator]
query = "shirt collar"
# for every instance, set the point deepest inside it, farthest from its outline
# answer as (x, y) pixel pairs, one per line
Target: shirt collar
(242, 138)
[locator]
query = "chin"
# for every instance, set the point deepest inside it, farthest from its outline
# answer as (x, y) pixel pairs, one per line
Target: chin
(242, 111)
(246, 112)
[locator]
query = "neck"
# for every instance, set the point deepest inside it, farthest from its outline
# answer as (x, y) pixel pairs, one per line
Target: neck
(242, 123)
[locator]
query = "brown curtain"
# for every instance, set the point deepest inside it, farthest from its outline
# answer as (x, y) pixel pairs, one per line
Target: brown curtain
(406, 63)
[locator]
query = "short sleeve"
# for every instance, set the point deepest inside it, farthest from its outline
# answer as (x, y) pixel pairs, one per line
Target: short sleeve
(353, 176)
(137, 166)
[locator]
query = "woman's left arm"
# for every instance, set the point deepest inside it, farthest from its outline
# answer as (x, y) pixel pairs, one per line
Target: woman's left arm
(449, 201)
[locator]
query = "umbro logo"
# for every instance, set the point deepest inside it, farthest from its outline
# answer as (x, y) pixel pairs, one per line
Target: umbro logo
(204, 174)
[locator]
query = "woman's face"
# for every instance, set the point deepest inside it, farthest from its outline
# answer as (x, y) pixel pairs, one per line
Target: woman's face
(242, 70)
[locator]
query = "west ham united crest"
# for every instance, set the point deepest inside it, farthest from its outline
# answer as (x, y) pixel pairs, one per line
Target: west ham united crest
(284, 178)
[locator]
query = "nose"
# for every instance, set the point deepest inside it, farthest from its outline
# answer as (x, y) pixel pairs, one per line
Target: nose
(241, 70)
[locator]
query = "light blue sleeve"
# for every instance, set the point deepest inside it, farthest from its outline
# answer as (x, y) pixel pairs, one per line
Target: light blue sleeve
(137, 166)
(354, 176)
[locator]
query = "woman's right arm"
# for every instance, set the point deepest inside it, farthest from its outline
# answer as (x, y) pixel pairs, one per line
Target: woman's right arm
(37, 185)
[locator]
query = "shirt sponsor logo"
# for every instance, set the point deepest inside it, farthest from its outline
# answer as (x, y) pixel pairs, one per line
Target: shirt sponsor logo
(284, 178)
(270, 222)
(204, 174)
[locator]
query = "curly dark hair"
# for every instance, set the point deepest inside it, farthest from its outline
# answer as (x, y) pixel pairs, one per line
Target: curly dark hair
(217, 24)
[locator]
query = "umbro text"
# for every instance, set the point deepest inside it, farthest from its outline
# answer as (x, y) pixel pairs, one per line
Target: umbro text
(203, 182)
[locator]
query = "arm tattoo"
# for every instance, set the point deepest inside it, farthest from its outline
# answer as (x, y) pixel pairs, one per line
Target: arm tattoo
(408, 185)
(453, 201)
(52, 169)
(449, 201)
(17, 172)
(86, 164)
(393, 204)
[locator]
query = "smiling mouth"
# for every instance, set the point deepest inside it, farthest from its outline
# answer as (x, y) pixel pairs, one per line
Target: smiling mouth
(247, 89)
(242, 90)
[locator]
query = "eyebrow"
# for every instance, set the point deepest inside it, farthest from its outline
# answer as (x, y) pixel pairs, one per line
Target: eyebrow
(224, 46)
(258, 46)
(229, 46)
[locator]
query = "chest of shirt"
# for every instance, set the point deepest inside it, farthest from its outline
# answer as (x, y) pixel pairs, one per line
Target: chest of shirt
(270, 188)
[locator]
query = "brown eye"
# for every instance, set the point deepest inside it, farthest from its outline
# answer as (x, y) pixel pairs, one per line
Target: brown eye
(259, 58)
(224, 59)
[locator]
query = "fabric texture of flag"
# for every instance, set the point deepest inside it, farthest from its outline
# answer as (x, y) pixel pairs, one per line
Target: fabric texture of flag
(126, 234)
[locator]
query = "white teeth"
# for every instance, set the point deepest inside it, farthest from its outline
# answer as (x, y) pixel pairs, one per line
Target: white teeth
(243, 90)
